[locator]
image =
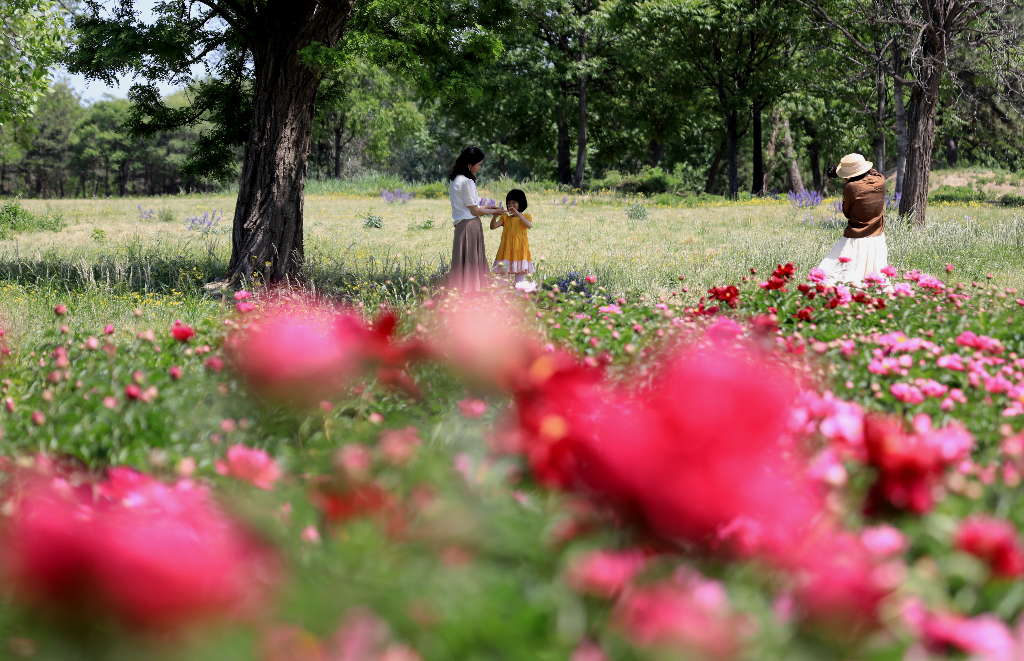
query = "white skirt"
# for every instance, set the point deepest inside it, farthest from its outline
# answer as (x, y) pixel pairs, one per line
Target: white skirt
(860, 257)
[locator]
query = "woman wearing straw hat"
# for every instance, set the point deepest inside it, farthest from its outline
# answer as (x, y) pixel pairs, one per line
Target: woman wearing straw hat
(862, 248)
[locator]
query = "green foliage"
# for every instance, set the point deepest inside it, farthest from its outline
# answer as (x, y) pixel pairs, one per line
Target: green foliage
(957, 194)
(426, 224)
(636, 212)
(1012, 200)
(373, 221)
(34, 35)
(14, 218)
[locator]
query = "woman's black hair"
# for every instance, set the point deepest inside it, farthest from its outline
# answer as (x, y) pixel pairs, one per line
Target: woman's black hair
(469, 156)
(517, 195)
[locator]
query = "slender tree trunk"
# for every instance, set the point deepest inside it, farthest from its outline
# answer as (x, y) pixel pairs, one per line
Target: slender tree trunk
(901, 122)
(757, 186)
(952, 152)
(337, 150)
(814, 156)
(122, 179)
(581, 136)
(267, 236)
(562, 149)
(924, 102)
(796, 181)
(881, 112)
(732, 151)
(656, 149)
(715, 169)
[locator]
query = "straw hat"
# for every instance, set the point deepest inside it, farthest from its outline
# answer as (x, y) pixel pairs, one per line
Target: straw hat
(852, 165)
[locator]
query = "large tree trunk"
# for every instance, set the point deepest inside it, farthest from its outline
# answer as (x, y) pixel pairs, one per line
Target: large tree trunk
(924, 103)
(266, 242)
(562, 153)
(581, 136)
(757, 185)
(731, 149)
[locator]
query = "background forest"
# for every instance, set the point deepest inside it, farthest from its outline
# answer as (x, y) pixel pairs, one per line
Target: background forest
(754, 96)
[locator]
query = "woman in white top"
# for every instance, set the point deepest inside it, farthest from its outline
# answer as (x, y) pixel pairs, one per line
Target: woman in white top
(469, 259)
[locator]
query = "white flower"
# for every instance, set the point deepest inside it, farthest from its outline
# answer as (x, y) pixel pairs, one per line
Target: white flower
(526, 286)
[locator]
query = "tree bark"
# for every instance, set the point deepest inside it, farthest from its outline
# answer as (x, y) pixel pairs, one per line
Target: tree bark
(924, 101)
(711, 181)
(337, 150)
(901, 134)
(562, 149)
(814, 156)
(581, 135)
(878, 143)
(757, 186)
(267, 236)
(656, 150)
(732, 149)
(796, 181)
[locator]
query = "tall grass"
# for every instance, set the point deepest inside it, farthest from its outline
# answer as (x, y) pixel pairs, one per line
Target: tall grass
(707, 246)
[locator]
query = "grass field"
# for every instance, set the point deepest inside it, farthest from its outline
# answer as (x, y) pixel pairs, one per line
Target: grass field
(106, 240)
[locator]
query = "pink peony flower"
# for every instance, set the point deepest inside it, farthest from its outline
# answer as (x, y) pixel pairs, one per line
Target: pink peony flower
(250, 465)
(472, 408)
(693, 616)
(889, 271)
(60, 309)
(399, 445)
(906, 393)
(883, 540)
(985, 638)
(817, 275)
(590, 279)
(605, 573)
(174, 372)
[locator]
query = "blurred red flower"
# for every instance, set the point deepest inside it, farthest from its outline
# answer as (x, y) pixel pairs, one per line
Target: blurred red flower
(182, 332)
(995, 542)
(154, 555)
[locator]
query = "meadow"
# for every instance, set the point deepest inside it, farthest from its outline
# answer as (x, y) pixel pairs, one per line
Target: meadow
(634, 246)
(681, 446)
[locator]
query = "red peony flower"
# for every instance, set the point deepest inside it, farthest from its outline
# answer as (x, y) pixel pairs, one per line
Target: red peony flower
(730, 295)
(671, 452)
(182, 332)
(993, 541)
(153, 555)
(910, 465)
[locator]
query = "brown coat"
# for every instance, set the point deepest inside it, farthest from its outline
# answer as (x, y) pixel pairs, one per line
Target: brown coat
(863, 206)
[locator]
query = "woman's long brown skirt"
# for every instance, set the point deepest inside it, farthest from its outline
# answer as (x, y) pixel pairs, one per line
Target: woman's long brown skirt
(469, 259)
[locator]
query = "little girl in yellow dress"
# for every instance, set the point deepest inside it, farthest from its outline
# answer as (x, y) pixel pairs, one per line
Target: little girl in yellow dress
(513, 255)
